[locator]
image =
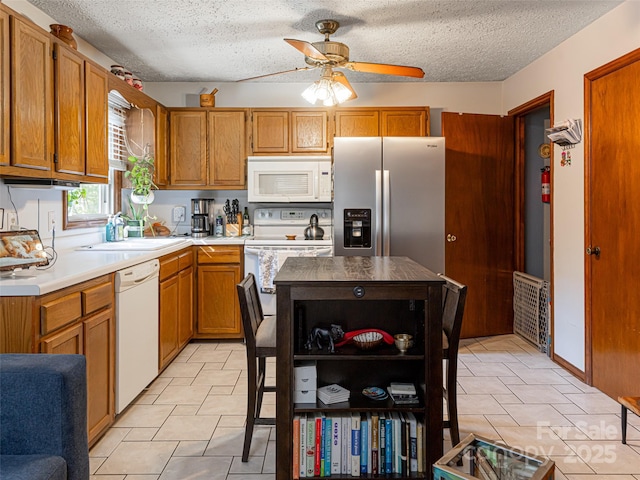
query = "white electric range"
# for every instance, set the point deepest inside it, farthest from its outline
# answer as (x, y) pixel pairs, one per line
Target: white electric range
(266, 251)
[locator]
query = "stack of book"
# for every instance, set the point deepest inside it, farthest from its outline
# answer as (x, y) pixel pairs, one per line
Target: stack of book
(333, 393)
(358, 444)
(403, 393)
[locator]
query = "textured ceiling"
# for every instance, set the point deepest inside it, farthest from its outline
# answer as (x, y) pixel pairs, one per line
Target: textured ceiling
(228, 40)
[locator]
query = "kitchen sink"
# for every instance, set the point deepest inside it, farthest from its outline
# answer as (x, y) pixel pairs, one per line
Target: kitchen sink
(135, 244)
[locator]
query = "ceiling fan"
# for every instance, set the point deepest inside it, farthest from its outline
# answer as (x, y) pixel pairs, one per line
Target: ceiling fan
(333, 87)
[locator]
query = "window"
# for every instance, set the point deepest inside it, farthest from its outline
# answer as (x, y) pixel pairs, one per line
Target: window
(90, 204)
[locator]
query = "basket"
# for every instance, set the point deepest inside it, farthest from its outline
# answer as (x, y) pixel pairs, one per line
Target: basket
(367, 340)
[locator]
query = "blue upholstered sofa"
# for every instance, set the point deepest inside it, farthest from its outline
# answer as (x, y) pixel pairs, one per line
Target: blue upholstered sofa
(43, 417)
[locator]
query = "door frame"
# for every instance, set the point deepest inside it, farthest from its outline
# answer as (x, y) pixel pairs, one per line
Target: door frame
(590, 77)
(519, 113)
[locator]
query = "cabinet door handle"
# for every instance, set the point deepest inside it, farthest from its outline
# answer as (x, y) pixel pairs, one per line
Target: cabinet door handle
(451, 238)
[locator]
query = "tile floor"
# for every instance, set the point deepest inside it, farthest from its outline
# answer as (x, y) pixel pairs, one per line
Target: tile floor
(189, 423)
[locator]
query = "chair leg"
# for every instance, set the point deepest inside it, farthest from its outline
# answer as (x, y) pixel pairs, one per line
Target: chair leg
(262, 374)
(452, 402)
(251, 406)
(624, 425)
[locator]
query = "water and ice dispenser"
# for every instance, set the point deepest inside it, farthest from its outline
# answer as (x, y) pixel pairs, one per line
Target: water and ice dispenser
(357, 228)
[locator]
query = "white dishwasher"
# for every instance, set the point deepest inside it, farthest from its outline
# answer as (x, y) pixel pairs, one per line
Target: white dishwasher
(136, 330)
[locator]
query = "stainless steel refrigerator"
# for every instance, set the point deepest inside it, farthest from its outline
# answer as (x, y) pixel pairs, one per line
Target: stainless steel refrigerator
(389, 198)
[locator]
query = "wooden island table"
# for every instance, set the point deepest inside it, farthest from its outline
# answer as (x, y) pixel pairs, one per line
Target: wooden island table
(393, 294)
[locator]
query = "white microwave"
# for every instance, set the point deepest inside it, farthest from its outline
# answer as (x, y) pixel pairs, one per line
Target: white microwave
(289, 179)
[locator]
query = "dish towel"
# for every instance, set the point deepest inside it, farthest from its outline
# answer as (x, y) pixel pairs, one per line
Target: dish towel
(271, 261)
(267, 269)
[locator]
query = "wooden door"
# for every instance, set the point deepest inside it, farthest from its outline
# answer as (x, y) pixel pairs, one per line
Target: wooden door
(218, 307)
(185, 306)
(404, 123)
(70, 341)
(5, 82)
(31, 93)
(169, 311)
(227, 148)
(162, 147)
(612, 177)
(69, 111)
(479, 218)
(309, 131)
(357, 123)
(100, 351)
(270, 131)
(188, 139)
(96, 123)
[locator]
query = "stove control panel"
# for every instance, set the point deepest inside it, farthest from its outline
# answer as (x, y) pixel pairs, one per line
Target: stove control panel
(291, 216)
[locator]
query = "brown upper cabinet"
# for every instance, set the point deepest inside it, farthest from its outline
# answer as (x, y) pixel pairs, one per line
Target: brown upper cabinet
(388, 122)
(54, 106)
(290, 131)
(5, 82)
(31, 101)
(162, 147)
(81, 117)
(208, 148)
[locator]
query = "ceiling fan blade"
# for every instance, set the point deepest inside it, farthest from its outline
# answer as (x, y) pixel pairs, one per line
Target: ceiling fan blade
(307, 48)
(276, 73)
(385, 69)
(341, 78)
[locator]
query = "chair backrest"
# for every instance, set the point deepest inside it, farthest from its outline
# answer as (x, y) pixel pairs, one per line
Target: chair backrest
(251, 308)
(454, 295)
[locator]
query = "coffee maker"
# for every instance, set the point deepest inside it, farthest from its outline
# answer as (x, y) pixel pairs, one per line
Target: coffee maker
(200, 216)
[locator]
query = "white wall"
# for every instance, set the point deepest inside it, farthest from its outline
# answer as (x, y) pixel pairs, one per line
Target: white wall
(562, 70)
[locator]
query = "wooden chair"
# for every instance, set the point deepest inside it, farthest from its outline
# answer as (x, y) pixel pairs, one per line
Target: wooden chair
(454, 295)
(628, 403)
(260, 337)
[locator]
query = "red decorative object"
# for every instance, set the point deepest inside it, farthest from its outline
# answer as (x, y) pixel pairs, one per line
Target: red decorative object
(348, 336)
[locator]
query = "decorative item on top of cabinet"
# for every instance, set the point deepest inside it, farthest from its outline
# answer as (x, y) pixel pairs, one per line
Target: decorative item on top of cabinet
(386, 122)
(176, 304)
(290, 131)
(65, 34)
(208, 148)
(219, 270)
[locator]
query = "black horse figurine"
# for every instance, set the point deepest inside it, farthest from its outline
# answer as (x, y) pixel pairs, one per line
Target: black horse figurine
(323, 336)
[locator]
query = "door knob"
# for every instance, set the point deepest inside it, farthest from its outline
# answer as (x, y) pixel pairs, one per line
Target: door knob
(451, 238)
(593, 251)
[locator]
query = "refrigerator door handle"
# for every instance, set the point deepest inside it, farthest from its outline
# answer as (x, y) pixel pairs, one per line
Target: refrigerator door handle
(378, 227)
(386, 236)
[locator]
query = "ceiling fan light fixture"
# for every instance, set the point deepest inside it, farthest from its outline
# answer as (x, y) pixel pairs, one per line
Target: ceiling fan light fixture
(328, 90)
(341, 92)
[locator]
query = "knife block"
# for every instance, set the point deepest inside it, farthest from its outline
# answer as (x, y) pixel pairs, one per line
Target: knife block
(232, 230)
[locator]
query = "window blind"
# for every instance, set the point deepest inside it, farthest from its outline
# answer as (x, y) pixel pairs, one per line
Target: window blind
(118, 109)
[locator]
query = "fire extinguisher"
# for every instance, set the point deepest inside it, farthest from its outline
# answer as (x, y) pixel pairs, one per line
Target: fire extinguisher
(546, 184)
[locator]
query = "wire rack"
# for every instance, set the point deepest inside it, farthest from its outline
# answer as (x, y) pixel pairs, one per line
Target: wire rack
(531, 310)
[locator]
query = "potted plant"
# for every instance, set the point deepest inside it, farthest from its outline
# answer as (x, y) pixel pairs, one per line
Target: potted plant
(142, 185)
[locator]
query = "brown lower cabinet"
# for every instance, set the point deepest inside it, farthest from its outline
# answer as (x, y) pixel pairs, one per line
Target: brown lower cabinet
(219, 268)
(76, 320)
(176, 304)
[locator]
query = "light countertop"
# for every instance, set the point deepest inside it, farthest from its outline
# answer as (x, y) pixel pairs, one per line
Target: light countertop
(79, 265)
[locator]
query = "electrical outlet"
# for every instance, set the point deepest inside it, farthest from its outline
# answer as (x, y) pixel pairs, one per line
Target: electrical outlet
(12, 221)
(179, 214)
(51, 221)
